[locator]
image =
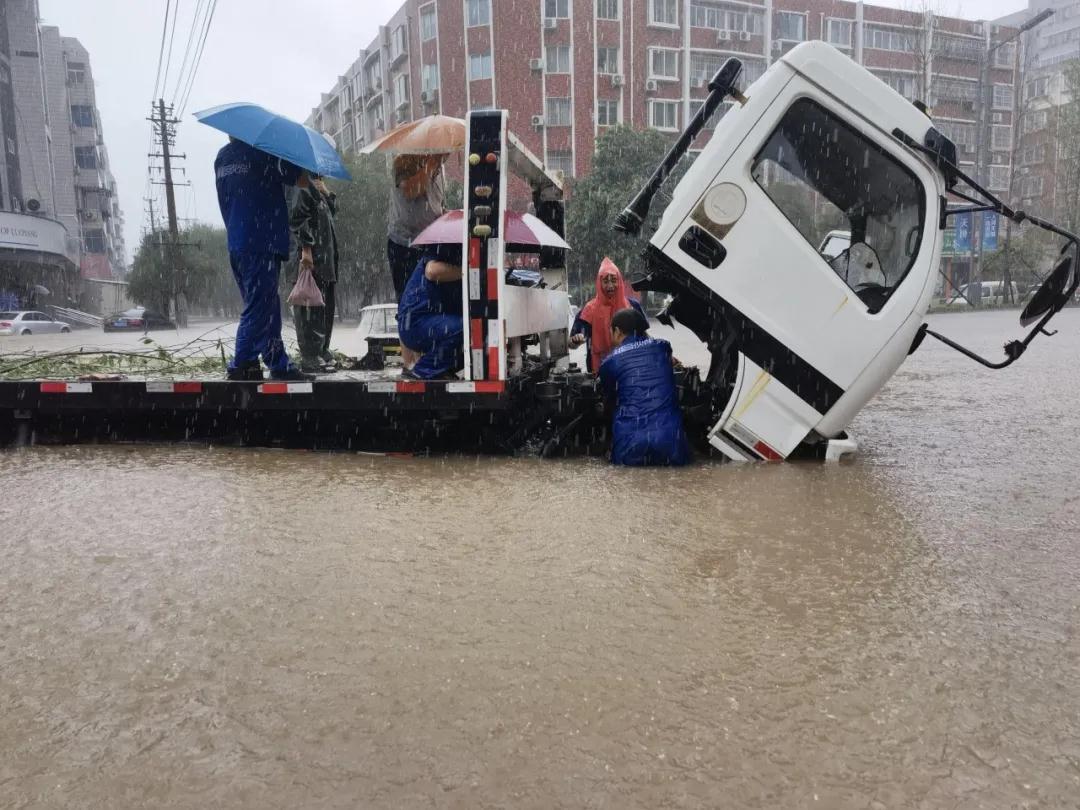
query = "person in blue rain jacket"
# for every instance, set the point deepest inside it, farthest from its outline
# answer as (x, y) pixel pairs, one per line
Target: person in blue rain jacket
(647, 428)
(430, 316)
(251, 193)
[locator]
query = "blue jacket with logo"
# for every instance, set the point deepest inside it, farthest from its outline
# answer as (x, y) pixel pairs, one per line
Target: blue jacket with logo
(647, 429)
(251, 193)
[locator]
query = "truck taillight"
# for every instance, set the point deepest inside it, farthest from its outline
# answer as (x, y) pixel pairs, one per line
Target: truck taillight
(5, 324)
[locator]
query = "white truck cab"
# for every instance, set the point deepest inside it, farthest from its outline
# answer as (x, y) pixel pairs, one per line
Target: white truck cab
(817, 148)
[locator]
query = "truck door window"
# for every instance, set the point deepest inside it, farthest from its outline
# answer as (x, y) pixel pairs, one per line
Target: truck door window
(825, 176)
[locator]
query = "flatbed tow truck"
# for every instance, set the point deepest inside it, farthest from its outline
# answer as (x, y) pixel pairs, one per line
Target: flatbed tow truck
(800, 340)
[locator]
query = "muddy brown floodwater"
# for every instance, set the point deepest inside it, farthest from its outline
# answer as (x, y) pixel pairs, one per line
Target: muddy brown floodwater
(188, 628)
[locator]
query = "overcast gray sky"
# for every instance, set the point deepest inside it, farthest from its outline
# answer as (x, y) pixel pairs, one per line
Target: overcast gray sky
(279, 53)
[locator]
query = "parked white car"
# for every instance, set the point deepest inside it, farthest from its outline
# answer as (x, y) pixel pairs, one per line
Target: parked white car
(990, 292)
(30, 322)
(378, 325)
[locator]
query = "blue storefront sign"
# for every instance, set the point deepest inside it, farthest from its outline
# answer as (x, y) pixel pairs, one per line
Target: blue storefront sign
(989, 231)
(963, 232)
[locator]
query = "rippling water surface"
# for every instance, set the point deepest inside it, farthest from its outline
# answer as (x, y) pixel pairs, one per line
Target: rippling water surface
(188, 627)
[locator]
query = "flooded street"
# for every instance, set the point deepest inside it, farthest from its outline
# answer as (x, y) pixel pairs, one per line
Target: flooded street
(185, 627)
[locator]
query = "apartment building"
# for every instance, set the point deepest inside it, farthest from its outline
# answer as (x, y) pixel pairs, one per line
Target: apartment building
(55, 165)
(1047, 52)
(568, 69)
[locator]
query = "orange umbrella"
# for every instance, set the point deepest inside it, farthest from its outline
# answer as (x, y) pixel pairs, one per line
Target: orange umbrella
(433, 135)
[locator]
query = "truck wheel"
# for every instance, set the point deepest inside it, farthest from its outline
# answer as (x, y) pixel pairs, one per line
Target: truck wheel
(64, 330)
(26, 332)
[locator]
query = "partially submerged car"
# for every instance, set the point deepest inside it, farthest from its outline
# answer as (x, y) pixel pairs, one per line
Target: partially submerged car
(136, 319)
(378, 330)
(30, 322)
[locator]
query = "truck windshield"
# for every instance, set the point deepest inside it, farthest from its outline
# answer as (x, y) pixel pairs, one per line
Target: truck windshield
(826, 176)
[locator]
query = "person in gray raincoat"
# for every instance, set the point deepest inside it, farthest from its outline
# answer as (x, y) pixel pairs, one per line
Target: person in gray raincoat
(311, 220)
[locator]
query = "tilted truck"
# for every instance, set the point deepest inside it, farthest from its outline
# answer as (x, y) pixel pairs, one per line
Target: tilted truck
(800, 340)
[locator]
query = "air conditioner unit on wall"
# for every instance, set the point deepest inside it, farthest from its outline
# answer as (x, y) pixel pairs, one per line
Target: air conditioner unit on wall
(617, 80)
(536, 64)
(744, 36)
(998, 118)
(650, 86)
(550, 23)
(538, 121)
(777, 45)
(723, 36)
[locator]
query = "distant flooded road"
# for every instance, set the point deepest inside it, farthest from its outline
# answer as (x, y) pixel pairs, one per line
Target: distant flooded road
(190, 628)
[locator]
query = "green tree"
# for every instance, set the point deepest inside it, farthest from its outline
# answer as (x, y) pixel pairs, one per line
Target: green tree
(623, 161)
(363, 274)
(150, 281)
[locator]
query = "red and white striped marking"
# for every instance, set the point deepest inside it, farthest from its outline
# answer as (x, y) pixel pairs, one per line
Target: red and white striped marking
(185, 387)
(476, 387)
(286, 388)
(67, 388)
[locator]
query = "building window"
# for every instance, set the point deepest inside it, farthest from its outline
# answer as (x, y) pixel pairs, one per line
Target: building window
(1034, 153)
(560, 160)
(94, 241)
(664, 115)
(86, 157)
(607, 9)
(838, 33)
(952, 47)
(82, 115)
(429, 26)
(725, 16)
(888, 39)
(401, 89)
(429, 78)
(478, 12)
(664, 12)
(479, 66)
(1031, 186)
(963, 135)
(607, 112)
(557, 112)
(1003, 97)
(999, 178)
(397, 42)
(695, 106)
(1001, 138)
(559, 9)
(663, 63)
(1034, 121)
(607, 61)
(902, 83)
(558, 58)
(790, 27)
(1005, 55)
(76, 73)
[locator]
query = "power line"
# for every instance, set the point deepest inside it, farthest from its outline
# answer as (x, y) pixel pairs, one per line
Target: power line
(172, 37)
(198, 58)
(161, 50)
(191, 37)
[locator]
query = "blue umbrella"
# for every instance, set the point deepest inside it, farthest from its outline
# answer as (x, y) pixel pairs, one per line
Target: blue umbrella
(276, 135)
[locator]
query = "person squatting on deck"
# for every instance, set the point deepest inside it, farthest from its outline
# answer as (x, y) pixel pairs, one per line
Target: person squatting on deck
(593, 324)
(647, 428)
(251, 194)
(311, 217)
(430, 315)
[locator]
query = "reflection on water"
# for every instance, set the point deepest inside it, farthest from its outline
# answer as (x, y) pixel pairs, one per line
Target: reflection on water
(185, 627)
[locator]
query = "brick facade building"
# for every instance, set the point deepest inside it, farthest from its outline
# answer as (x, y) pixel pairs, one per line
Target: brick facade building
(568, 69)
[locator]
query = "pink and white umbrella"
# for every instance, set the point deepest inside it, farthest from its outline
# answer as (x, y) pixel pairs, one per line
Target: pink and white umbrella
(519, 231)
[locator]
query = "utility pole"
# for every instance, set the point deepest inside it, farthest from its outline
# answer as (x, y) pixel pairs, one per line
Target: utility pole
(164, 122)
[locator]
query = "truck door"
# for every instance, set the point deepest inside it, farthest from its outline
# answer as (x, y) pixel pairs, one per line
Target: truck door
(809, 327)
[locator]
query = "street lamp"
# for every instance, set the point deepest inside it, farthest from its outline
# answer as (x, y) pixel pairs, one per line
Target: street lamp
(983, 143)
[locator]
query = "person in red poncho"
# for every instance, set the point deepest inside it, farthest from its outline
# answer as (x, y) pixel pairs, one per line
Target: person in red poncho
(593, 324)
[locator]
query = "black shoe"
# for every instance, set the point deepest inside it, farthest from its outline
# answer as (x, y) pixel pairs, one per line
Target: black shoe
(251, 372)
(311, 367)
(292, 374)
